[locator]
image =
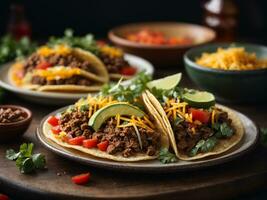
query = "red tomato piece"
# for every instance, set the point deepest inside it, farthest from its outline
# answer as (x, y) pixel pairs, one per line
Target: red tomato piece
(81, 179)
(128, 71)
(77, 140)
(102, 146)
(200, 115)
(90, 143)
(53, 121)
(4, 197)
(66, 138)
(56, 130)
(43, 65)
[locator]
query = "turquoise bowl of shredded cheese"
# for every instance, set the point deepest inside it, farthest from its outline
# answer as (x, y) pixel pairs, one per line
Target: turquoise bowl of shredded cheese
(236, 86)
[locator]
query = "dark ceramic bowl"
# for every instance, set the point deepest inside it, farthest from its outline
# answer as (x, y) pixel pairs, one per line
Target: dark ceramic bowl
(163, 55)
(229, 86)
(9, 131)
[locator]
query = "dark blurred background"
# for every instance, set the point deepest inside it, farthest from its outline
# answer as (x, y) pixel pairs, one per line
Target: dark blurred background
(51, 17)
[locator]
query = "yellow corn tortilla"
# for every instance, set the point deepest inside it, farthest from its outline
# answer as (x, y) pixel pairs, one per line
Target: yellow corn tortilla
(100, 76)
(222, 146)
(165, 138)
(94, 151)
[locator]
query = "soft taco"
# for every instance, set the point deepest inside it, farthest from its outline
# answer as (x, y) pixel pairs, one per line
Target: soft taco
(59, 68)
(103, 127)
(196, 126)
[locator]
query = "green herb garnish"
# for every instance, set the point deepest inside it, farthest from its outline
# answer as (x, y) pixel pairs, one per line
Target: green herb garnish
(223, 130)
(84, 107)
(128, 93)
(166, 157)
(86, 42)
(203, 146)
(263, 136)
(10, 48)
(26, 161)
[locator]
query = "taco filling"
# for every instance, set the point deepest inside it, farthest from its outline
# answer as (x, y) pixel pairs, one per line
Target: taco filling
(113, 59)
(102, 124)
(196, 130)
(197, 127)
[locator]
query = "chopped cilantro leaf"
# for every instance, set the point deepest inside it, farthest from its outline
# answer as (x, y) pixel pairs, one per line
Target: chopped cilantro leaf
(166, 157)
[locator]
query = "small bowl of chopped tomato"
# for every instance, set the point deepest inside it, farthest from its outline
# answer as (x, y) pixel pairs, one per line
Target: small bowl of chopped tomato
(14, 121)
(162, 43)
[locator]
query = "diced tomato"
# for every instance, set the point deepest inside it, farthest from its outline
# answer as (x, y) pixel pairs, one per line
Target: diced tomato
(66, 138)
(128, 71)
(200, 115)
(4, 197)
(53, 121)
(102, 146)
(81, 179)
(90, 143)
(43, 65)
(56, 130)
(101, 42)
(77, 140)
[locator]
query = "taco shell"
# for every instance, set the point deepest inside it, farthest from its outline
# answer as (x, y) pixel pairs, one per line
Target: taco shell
(222, 146)
(98, 75)
(94, 152)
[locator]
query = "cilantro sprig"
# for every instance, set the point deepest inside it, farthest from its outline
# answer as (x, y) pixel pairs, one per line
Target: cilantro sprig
(130, 92)
(204, 146)
(166, 157)
(223, 130)
(86, 42)
(26, 161)
(10, 48)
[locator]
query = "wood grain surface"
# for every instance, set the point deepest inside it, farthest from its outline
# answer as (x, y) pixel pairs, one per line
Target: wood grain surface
(229, 180)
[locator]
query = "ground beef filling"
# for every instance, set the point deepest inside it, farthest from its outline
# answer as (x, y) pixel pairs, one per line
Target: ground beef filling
(121, 140)
(74, 80)
(113, 64)
(60, 60)
(9, 115)
(186, 139)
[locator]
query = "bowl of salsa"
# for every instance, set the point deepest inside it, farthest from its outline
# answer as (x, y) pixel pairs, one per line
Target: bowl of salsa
(162, 43)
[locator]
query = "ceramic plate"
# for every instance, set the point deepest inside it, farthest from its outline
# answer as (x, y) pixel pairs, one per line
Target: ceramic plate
(249, 140)
(54, 98)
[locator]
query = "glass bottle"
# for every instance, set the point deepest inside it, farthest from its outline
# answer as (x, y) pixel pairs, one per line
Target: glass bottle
(222, 16)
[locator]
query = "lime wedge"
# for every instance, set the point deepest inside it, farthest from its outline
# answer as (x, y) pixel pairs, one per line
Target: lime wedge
(165, 83)
(199, 99)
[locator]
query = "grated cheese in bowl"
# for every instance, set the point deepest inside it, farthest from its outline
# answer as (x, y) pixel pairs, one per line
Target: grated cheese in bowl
(233, 58)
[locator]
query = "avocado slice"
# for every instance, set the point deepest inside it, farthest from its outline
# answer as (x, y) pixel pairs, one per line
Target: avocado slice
(100, 116)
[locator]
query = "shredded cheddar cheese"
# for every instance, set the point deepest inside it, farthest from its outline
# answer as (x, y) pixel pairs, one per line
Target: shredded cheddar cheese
(144, 123)
(231, 59)
(58, 49)
(176, 108)
(95, 103)
(111, 51)
(213, 116)
(57, 72)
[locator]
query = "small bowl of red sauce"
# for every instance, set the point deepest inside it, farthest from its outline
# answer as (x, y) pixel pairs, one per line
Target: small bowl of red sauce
(162, 43)
(14, 121)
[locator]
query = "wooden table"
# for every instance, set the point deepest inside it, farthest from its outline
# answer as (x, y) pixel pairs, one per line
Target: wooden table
(241, 176)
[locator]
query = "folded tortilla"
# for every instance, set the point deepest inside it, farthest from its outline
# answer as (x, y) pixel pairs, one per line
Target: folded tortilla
(222, 145)
(98, 75)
